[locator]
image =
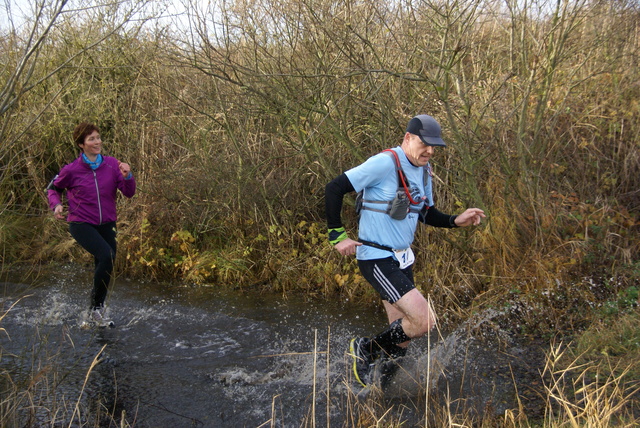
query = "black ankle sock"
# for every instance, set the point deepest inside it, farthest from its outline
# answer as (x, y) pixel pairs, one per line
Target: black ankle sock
(392, 336)
(395, 351)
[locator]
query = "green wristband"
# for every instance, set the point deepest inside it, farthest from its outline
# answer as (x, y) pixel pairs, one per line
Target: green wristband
(336, 235)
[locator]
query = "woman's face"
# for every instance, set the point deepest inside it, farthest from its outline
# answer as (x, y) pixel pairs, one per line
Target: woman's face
(92, 145)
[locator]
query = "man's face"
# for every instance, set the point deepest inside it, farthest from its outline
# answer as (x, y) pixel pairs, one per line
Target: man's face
(417, 152)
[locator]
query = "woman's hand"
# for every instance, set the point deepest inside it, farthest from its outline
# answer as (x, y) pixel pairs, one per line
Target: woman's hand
(58, 212)
(125, 169)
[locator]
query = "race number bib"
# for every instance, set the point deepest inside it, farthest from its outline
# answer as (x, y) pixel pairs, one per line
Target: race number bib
(405, 257)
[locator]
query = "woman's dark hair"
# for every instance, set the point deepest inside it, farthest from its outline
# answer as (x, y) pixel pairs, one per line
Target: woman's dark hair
(82, 130)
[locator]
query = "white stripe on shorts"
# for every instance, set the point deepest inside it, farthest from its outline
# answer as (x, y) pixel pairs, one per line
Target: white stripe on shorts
(386, 284)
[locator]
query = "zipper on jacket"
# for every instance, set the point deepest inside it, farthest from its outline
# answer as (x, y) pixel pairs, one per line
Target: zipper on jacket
(95, 180)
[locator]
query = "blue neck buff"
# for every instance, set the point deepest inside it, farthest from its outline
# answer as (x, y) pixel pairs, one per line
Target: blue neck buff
(95, 164)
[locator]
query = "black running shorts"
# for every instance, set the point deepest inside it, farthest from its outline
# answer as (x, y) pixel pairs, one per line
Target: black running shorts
(387, 278)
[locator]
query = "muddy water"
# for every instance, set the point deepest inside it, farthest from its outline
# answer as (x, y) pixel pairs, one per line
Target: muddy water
(201, 356)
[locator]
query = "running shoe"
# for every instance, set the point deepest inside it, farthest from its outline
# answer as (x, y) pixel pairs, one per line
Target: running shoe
(99, 317)
(388, 364)
(363, 359)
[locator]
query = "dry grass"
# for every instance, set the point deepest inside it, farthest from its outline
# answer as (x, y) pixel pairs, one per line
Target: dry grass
(589, 395)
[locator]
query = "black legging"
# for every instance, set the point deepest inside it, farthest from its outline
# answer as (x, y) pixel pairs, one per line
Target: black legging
(100, 241)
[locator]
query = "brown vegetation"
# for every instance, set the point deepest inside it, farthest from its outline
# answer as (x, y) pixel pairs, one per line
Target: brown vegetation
(234, 118)
(234, 127)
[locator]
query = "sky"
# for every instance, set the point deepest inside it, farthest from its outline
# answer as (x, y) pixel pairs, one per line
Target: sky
(15, 8)
(19, 11)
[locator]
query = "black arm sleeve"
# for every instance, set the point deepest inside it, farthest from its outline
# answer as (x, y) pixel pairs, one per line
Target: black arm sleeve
(333, 194)
(435, 218)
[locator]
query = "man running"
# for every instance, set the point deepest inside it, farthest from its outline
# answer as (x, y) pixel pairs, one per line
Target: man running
(397, 192)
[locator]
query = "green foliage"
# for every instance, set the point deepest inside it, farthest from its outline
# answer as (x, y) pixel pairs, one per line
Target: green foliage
(299, 259)
(627, 300)
(613, 342)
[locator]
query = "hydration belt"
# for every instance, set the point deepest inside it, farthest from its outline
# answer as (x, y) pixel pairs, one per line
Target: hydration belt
(375, 245)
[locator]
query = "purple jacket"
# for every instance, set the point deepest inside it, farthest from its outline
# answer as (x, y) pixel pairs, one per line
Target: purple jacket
(91, 194)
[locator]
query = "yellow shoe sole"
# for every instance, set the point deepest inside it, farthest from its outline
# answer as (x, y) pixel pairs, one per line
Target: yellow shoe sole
(352, 352)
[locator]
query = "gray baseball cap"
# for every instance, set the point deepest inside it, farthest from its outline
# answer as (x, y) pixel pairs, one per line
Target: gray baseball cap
(428, 129)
